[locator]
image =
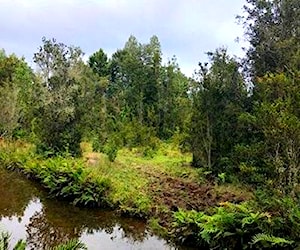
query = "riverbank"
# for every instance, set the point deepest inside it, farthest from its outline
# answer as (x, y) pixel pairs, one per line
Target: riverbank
(28, 213)
(177, 200)
(133, 184)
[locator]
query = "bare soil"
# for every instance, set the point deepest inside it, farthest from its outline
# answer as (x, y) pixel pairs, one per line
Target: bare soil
(178, 193)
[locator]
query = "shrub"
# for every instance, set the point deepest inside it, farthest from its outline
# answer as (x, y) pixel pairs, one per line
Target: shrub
(111, 150)
(63, 177)
(228, 226)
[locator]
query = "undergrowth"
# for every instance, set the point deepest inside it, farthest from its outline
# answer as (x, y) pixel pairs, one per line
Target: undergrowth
(72, 244)
(127, 186)
(237, 226)
(65, 178)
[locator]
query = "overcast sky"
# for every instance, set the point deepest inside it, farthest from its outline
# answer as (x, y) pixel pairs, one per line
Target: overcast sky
(185, 28)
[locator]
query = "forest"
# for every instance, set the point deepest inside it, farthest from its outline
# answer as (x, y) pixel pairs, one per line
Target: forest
(211, 161)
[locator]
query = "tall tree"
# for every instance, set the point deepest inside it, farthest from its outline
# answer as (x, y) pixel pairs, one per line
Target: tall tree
(16, 82)
(98, 62)
(174, 104)
(272, 28)
(217, 102)
(58, 118)
(271, 149)
(145, 90)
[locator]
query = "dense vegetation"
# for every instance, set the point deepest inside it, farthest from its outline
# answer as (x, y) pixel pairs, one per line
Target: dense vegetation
(239, 119)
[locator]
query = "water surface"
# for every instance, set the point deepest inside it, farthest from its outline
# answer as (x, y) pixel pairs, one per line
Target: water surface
(26, 212)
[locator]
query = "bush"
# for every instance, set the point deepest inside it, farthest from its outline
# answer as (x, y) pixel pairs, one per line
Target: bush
(63, 177)
(285, 211)
(228, 226)
(111, 150)
(53, 142)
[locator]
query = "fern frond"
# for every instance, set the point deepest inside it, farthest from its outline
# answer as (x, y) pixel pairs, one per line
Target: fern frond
(73, 244)
(273, 240)
(4, 240)
(21, 245)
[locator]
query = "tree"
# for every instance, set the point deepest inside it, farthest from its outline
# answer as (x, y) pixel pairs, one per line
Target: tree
(58, 113)
(145, 90)
(217, 102)
(174, 104)
(270, 146)
(272, 29)
(91, 101)
(16, 81)
(98, 62)
(276, 119)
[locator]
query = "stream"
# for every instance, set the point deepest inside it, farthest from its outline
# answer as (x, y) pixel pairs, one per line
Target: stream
(27, 213)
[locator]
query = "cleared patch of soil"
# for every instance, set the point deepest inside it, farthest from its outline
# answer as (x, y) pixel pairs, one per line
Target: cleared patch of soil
(178, 193)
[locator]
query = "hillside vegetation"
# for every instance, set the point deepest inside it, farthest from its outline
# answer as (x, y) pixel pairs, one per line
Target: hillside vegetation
(212, 161)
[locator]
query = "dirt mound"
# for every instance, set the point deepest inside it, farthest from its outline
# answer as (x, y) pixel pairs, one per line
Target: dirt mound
(178, 193)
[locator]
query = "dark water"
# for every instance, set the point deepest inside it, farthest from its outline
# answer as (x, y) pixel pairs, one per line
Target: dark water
(27, 213)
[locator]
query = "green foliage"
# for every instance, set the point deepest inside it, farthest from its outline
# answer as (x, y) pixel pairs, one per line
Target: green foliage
(132, 100)
(272, 28)
(286, 220)
(269, 149)
(98, 63)
(58, 114)
(222, 178)
(4, 240)
(270, 241)
(73, 244)
(242, 226)
(218, 97)
(229, 226)
(138, 207)
(16, 79)
(20, 245)
(65, 178)
(142, 93)
(111, 150)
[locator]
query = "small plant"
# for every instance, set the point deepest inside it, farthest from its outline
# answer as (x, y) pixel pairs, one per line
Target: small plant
(5, 239)
(229, 226)
(148, 152)
(111, 149)
(73, 244)
(222, 178)
(270, 241)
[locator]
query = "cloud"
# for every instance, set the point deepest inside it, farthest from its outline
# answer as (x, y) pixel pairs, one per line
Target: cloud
(186, 28)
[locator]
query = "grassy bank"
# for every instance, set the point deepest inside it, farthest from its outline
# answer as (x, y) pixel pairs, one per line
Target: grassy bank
(177, 200)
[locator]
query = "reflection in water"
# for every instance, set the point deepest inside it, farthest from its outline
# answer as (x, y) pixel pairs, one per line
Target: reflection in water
(15, 194)
(27, 213)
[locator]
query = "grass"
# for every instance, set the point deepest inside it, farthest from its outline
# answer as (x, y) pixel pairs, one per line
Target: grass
(176, 199)
(132, 174)
(146, 186)
(135, 185)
